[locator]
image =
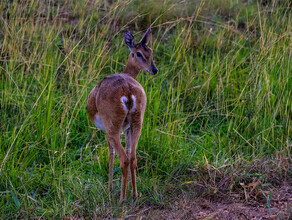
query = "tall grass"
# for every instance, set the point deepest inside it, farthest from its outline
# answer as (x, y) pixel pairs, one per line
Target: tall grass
(223, 92)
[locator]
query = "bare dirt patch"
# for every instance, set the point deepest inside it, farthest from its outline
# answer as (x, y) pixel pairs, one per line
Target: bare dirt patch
(233, 206)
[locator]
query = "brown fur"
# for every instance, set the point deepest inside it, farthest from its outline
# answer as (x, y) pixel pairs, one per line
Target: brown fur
(105, 101)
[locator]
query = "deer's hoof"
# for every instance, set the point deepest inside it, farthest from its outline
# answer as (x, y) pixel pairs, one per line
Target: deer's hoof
(122, 201)
(134, 195)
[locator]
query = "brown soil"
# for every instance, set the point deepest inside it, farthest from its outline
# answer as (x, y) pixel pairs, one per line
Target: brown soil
(234, 206)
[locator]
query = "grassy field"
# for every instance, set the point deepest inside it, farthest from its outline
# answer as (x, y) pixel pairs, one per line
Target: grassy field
(218, 112)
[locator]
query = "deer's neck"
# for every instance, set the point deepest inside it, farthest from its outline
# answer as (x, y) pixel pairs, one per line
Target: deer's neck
(131, 69)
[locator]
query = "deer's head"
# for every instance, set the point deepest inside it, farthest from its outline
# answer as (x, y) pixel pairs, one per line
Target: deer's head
(141, 53)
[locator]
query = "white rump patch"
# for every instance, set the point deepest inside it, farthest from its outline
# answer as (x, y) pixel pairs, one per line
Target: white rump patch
(98, 122)
(124, 100)
(134, 103)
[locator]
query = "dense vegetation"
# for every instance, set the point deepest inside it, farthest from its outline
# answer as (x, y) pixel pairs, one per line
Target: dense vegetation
(222, 97)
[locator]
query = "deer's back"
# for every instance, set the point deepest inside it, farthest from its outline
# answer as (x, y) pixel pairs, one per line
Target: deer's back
(108, 92)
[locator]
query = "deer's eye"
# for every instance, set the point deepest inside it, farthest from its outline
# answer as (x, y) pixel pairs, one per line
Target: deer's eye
(139, 54)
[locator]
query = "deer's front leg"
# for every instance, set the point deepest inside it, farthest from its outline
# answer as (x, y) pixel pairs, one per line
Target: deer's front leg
(128, 147)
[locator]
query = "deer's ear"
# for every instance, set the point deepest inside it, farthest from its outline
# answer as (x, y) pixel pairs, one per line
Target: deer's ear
(129, 39)
(146, 37)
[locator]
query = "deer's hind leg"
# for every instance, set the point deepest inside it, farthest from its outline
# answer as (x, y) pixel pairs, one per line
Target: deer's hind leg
(111, 165)
(133, 136)
(114, 140)
(113, 126)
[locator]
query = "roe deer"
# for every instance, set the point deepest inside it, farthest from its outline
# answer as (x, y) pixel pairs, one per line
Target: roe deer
(117, 104)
